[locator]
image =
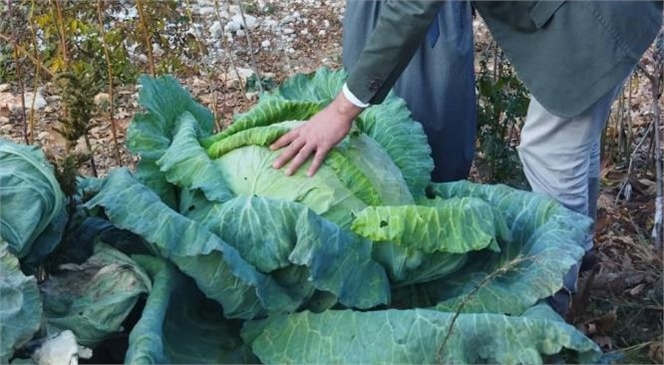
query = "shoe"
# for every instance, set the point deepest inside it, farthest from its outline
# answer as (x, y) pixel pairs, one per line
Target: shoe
(589, 261)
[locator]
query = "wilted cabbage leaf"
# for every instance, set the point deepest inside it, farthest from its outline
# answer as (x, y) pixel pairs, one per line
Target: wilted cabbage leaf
(92, 299)
(20, 305)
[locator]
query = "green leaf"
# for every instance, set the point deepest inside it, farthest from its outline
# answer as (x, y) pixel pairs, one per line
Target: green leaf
(456, 225)
(389, 123)
(273, 235)
(20, 305)
(547, 241)
(218, 269)
(94, 298)
(266, 113)
(32, 201)
(415, 336)
(248, 171)
(179, 325)
(150, 133)
(186, 164)
(146, 344)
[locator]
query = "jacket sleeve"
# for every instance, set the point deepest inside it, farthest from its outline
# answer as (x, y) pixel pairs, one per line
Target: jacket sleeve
(401, 27)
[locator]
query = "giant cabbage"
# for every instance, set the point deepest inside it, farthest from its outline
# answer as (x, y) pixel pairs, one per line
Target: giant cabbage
(368, 261)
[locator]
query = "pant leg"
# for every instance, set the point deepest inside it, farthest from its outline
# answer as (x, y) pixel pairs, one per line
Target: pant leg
(560, 157)
(438, 84)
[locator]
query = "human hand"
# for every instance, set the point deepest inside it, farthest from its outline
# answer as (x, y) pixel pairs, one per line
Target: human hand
(318, 136)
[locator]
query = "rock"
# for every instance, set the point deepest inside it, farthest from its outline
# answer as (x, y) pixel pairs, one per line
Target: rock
(288, 31)
(231, 77)
(240, 33)
(321, 32)
(4, 87)
(271, 24)
(251, 21)
(39, 101)
(304, 31)
(326, 23)
(265, 44)
(232, 26)
(102, 98)
(215, 29)
(205, 10)
(12, 102)
(199, 83)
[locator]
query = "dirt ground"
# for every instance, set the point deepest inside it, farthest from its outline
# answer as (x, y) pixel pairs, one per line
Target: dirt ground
(620, 304)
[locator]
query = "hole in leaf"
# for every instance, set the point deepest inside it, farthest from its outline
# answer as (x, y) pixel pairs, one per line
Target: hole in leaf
(192, 207)
(383, 224)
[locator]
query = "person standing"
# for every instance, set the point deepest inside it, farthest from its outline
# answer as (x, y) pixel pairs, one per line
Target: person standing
(438, 85)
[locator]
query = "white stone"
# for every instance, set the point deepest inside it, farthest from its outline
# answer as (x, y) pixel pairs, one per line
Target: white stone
(102, 98)
(251, 21)
(39, 101)
(215, 29)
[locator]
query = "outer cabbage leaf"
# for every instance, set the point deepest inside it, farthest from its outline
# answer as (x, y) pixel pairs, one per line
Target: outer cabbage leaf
(32, 205)
(20, 305)
(415, 336)
(547, 241)
(418, 243)
(457, 225)
(94, 298)
(218, 269)
(186, 164)
(274, 235)
(150, 133)
(180, 326)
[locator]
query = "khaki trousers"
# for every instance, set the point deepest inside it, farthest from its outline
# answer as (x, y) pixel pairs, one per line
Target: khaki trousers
(560, 158)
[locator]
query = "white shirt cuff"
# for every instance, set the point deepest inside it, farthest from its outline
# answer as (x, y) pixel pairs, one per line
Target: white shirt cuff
(349, 95)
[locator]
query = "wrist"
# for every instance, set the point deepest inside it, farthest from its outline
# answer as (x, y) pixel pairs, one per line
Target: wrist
(346, 107)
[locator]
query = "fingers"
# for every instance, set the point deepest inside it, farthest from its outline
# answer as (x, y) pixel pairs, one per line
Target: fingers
(288, 153)
(319, 157)
(300, 158)
(284, 140)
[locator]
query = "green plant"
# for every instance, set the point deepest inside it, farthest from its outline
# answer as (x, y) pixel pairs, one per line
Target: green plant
(366, 262)
(503, 103)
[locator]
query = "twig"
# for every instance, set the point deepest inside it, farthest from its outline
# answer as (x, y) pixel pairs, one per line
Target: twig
(37, 73)
(226, 50)
(146, 36)
(109, 70)
(17, 61)
(655, 82)
(61, 33)
(17, 47)
(251, 49)
(625, 183)
(500, 271)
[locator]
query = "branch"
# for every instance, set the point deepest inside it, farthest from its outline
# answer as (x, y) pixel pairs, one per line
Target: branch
(32, 58)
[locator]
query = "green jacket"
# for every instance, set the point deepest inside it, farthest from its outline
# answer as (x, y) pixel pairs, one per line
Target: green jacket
(567, 53)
